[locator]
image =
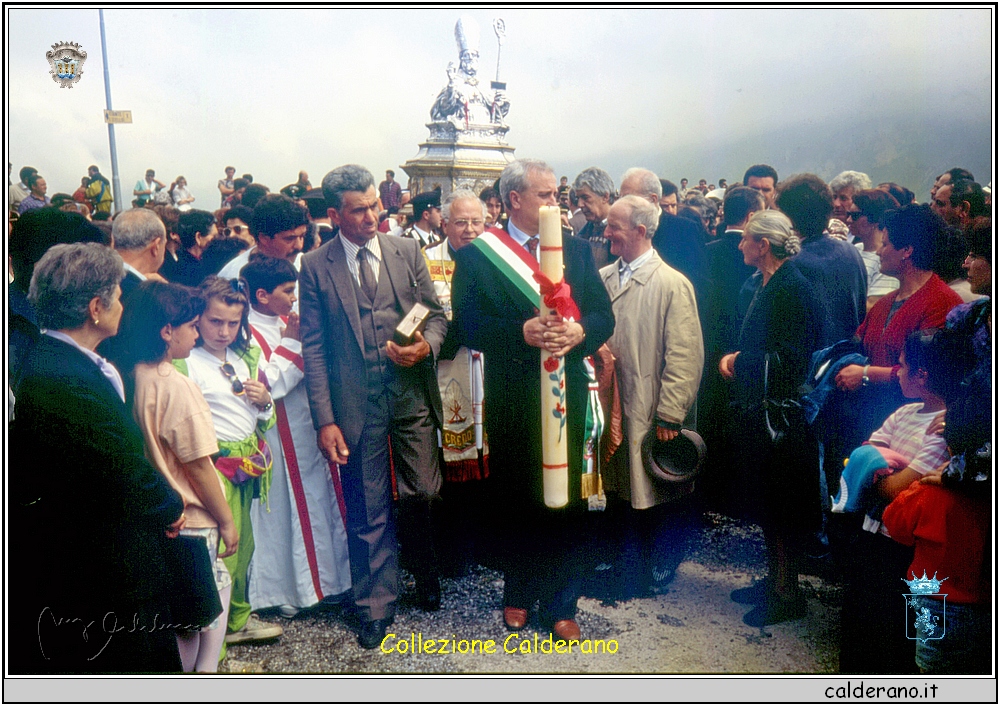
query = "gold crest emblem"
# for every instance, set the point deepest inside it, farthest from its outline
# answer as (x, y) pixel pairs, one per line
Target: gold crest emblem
(66, 60)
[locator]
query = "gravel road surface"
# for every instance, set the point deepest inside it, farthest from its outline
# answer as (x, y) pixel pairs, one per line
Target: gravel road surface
(694, 628)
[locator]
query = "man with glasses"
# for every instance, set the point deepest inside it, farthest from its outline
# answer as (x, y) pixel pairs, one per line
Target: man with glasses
(236, 224)
(543, 550)
(460, 378)
(844, 186)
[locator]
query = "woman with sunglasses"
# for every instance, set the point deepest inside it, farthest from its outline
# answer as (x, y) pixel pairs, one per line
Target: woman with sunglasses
(914, 235)
(224, 365)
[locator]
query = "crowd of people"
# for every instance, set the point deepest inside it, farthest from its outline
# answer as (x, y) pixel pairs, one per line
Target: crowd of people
(289, 400)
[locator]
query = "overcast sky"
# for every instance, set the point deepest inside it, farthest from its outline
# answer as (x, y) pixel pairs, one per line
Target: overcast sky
(900, 93)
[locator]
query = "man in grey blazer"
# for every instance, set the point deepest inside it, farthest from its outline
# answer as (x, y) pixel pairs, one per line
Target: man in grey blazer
(367, 392)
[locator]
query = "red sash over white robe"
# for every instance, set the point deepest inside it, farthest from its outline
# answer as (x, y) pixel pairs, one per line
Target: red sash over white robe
(301, 540)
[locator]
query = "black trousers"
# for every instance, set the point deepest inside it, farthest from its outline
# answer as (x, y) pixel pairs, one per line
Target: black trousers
(873, 618)
(543, 555)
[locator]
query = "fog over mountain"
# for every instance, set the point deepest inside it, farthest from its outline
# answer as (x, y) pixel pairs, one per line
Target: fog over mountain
(908, 150)
(900, 93)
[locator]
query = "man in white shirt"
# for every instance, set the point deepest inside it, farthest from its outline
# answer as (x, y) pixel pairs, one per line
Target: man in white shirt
(141, 239)
(279, 226)
(16, 193)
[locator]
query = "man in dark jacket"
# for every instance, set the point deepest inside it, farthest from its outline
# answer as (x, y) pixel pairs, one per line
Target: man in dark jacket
(677, 241)
(595, 192)
(542, 548)
(834, 267)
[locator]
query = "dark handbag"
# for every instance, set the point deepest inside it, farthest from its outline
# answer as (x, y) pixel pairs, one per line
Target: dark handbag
(194, 598)
(783, 417)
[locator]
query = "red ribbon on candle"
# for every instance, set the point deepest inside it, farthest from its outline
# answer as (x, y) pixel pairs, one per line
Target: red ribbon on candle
(558, 296)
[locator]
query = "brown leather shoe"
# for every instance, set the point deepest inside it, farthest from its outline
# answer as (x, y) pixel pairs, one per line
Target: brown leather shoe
(566, 629)
(515, 618)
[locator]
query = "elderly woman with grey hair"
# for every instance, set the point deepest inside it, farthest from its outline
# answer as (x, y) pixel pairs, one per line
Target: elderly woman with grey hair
(92, 515)
(784, 324)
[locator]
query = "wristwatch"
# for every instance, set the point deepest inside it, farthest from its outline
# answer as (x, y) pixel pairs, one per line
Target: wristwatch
(267, 407)
(864, 377)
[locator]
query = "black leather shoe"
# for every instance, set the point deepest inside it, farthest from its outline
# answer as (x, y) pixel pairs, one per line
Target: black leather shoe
(428, 593)
(372, 632)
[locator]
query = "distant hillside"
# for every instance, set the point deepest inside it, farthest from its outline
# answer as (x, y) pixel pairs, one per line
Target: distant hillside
(903, 149)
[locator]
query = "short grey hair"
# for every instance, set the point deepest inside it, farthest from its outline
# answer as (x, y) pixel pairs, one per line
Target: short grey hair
(458, 195)
(136, 228)
(777, 228)
(649, 183)
(642, 212)
(859, 181)
(515, 177)
(597, 180)
(67, 277)
(350, 177)
(708, 208)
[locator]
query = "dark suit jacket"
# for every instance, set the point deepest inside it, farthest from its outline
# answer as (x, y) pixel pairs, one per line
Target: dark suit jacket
(113, 348)
(727, 273)
(681, 245)
(600, 247)
(332, 340)
(838, 273)
(187, 270)
(129, 282)
(90, 513)
(489, 315)
(789, 318)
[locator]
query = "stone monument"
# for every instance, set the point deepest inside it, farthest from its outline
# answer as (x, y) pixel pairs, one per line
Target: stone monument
(467, 146)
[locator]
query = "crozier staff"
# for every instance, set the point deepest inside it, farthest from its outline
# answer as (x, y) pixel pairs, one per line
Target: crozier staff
(495, 311)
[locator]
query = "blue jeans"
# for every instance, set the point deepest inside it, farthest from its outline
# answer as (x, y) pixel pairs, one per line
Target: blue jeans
(965, 647)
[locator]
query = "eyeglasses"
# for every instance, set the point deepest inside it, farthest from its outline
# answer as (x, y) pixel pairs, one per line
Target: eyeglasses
(238, 230)
(230, 372)
(463, 224)
(855, 215)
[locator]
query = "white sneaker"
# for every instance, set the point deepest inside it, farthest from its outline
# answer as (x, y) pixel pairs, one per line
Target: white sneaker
(288, 611)
(255, 630)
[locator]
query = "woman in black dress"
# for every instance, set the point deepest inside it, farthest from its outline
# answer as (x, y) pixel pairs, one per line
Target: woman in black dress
(89, 515)
(784, 324)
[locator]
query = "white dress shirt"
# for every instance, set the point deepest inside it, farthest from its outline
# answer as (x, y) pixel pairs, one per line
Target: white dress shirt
(373, 251)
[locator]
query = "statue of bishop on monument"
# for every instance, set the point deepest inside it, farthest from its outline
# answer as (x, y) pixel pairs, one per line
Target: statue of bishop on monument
(463, 102)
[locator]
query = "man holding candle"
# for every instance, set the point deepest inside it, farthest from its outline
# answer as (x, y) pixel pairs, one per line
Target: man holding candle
(541, 548)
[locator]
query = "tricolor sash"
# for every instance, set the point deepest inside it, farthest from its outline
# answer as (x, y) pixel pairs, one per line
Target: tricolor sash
(515, 264)
(512, 261)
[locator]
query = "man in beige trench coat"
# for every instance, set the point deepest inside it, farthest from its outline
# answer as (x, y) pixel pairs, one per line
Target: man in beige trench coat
(659, 357)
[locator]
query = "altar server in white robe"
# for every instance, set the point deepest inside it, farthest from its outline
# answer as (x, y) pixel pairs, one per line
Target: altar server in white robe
(301, 539)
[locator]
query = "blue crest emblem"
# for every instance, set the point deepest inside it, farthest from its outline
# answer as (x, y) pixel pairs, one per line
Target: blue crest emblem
(66, 62)
(921, 622)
